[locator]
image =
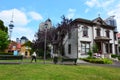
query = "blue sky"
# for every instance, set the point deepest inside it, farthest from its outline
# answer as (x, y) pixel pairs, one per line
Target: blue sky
(28, 14)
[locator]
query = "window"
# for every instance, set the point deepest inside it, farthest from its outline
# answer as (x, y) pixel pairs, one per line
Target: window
(69, 48)
(85, 31)
(107, 33)
(111, 48)
(98, 31)
(85, 47)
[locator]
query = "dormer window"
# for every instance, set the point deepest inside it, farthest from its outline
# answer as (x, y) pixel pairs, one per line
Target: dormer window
(108, 33)
(98, 31)
(85, 31)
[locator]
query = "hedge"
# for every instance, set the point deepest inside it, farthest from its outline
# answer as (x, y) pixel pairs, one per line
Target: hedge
(98, 60)
(3, 53)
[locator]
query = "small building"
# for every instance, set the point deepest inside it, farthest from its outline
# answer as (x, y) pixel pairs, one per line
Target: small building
(25, 51)
(14, 46)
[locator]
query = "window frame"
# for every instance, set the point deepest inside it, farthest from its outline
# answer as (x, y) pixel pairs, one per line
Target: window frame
(85, 49)
(98, 32)
(85, 31)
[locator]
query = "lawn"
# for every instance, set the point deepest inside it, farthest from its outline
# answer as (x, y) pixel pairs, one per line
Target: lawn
(40, 71)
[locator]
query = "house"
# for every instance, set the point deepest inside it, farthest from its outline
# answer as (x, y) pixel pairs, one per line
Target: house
(24, 50)
(13, 46)
(85, 33)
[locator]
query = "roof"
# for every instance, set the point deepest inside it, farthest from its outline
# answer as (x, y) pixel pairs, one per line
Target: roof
(81, 20)
(12, 44)
(97, 21)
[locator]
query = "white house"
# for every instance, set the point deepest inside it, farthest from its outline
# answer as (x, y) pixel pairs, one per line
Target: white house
(86, 33)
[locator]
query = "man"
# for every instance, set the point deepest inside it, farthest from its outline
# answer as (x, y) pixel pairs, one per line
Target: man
(34, 56)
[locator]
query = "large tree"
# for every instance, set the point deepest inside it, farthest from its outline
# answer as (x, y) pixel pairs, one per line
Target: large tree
(55, 37)
(38, 44)
(2, 27)
(3, 40)
(3, 36)
(62, 29)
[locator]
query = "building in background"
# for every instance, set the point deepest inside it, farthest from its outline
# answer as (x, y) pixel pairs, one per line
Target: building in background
(23, 40)
(42, 25)
(111, 21)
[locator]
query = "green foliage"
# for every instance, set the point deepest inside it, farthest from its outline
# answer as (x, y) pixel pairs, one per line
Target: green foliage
(3, 40)
(90, 53)
(2, 27)
(114, 56)
(55, 60)
(3, 53)
(118, 57)
(98, 60)
(95, 48)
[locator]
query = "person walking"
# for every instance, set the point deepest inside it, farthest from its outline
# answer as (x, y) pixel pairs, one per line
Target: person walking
(34, 56)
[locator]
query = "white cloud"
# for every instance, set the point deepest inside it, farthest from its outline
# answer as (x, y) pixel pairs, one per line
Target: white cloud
(19, 17)
(91, 3)
(18, 32)
(71, 13)
(116, 11)
(99, 3)
(35, 15)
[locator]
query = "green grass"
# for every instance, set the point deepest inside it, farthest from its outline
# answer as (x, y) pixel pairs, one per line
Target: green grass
(40, 71)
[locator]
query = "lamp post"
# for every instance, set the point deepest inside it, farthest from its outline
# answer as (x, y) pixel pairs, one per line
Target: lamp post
(46, 25)
(10, 29)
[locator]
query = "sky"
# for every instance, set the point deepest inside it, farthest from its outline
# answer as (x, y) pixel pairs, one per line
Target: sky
(28, 14)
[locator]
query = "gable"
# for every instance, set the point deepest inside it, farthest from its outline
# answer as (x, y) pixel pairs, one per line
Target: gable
(99, 21)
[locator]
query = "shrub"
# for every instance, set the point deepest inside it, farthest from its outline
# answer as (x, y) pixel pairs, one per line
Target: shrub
(98, 60)
(90, 53)
(3, 53)
(114, 56)
(118, 57)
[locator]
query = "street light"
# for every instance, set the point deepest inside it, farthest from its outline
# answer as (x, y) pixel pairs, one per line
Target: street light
(10, 28)
(46, 25)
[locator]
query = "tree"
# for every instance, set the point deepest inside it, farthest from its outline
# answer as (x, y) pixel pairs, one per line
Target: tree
(3, 36)
(38, 44)
(3, 40)
(2, 27)
(55, 36)
(62, 29)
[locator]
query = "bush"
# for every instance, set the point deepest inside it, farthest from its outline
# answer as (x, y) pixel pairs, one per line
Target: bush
(118, 57)
(114, 56)
(3, 53)
(55, 60)
(98, 60)
(90, 53)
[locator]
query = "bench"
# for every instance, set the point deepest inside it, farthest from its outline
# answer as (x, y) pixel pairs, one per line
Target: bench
(69, 60)
(11, 57)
